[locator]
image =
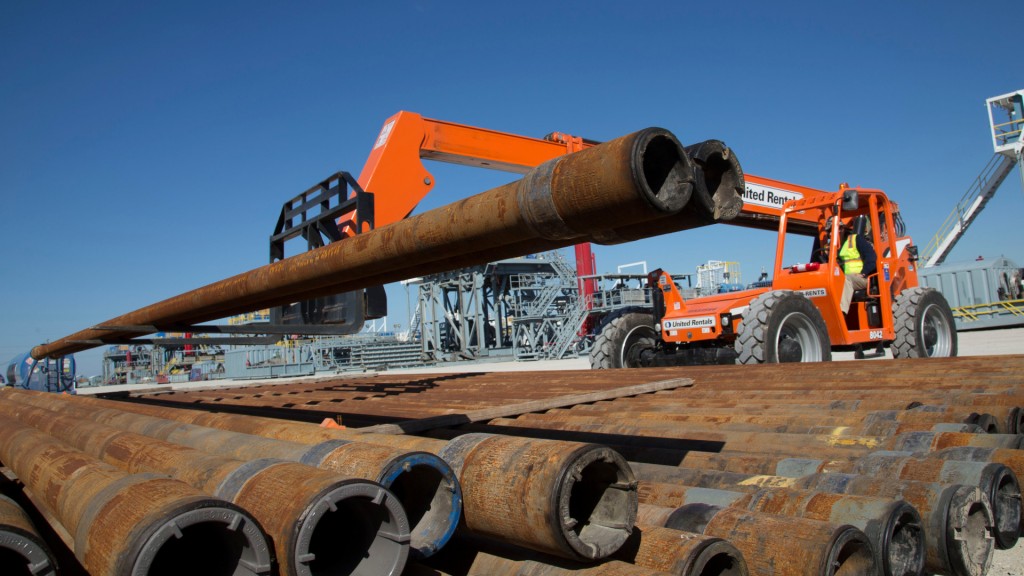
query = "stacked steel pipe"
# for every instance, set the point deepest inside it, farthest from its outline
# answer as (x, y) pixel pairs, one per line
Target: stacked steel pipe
(578, 501)
(128, 524)
(423, 483)
(317, 521)
(844, 503)
(893, 527)
(889, 449)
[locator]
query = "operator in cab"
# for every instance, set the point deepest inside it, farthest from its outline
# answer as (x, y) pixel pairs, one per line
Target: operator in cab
(858, 258)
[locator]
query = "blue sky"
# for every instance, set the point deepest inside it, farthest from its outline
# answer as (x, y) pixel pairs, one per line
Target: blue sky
(146, 148)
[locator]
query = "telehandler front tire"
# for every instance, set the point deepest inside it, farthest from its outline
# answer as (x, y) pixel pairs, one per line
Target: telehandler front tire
(782, 326)
(622, 339)
(924, 325)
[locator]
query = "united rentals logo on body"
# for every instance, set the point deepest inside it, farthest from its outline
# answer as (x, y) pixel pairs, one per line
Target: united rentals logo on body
(768, 196)
(698, 322)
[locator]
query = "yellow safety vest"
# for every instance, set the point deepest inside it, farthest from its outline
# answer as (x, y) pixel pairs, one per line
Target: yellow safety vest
(852, 264)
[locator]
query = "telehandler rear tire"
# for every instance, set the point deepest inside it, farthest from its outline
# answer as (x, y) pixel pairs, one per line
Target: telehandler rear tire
(622, 339)
(782, 326)
(924, 325)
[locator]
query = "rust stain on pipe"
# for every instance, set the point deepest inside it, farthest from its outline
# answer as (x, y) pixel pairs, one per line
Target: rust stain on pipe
(565, 498)
(678, 552)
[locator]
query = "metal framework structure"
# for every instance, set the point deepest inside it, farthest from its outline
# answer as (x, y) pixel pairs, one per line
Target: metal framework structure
(531, 308)
(130, 364)
(471, 313)
(549, 313)
(1006, 122)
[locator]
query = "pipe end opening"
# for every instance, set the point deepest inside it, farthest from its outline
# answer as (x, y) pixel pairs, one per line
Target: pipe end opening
(850, 554)
(1006, 508)
(356, 528)
(667, 172)
(969, 538)
(598, 502)
(430, 494)
(719, 558)
(988, 423)
(22, 554)
(720, 179)
(208, 539)
(903, 547)
(1015, 421)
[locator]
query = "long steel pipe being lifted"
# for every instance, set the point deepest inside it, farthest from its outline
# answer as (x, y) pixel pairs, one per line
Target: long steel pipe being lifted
(577, 198)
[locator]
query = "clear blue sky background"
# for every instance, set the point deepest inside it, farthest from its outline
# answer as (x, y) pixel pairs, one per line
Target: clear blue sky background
(146, 148)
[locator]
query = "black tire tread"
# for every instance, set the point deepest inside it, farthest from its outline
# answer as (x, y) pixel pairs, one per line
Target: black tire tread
(751, 341)
(605, 351)
(905, 309)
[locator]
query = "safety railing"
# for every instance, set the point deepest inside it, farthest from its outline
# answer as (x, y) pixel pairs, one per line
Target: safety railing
(976, 312)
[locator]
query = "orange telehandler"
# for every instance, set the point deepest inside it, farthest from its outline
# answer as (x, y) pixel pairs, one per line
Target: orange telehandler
(797, 318)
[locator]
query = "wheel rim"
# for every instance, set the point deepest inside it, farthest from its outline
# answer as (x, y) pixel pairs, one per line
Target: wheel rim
(936, 332)
(797, 340)
(636, 341)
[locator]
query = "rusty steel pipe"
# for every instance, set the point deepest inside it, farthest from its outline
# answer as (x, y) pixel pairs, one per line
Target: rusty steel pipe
(255, 425)
(683, 553)
(424, 484)
(494, 565)
(778, 443)
(779, 545)
(924, 442)
(789, 420)
(960, 372)
(958, 519)
(894, 527)
(716, 196)
(568, 499)
(951, 465)
(318, 521)
(770, 407)
(22, 550)
(992, 470)
(570, 199)
(1012, 459)
(996, 481)
(881, 427)
(133, 524)
(649, 550)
